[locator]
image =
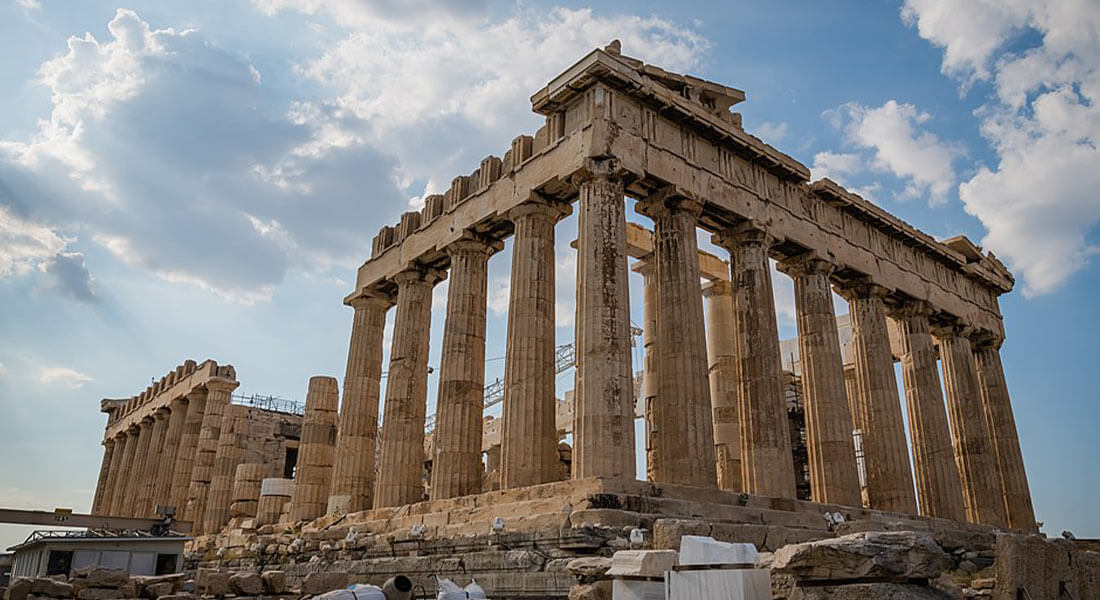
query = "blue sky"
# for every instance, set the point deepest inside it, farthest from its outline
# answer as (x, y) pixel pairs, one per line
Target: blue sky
(200, 179)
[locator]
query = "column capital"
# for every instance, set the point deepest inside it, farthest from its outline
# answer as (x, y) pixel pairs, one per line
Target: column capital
(178, 402)
(717, 287)
(645, 265)
(195, 395)
(669, 199)
(538, 206)
(807, 263)
(146, 422)
(907, 309)
(747, 233)
(371, 298)
(417, 274)
(596, 169)
(861, 289)
(161, 413)
(983, 339)
(471, 243)
(952, 329)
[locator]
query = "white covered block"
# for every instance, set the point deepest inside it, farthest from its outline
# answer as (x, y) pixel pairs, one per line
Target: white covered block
(636, 589)
(700, 550)
(719, 584)
(642, 563)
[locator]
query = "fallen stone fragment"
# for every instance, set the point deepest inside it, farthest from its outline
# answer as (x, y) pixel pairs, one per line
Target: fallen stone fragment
(900, 555)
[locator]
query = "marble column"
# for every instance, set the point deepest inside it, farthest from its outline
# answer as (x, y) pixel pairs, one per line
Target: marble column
(939, 492)
(357, 435)
(152, 473)
(169, 456)
(529, 437)
(185, 457)
(124, 482)
(139, 490)
(682, 412)
(767, 467)
(118, 477)
(603, 423)
(885, 452)
(647, 267)
(722, 359)
(401, 464)
(456, 465)
(832, 455)
(974, 454)
(104, 477)
(313, 477)
(247, 482)
(231, 442)
(1019, 513)
(218, 395)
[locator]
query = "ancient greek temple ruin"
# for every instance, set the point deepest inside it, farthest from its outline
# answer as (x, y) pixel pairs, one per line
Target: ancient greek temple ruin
(714, 405)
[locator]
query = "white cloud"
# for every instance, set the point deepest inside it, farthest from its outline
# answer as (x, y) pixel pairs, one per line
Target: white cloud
(836, 166)
(24, 245)
(441, 92)
(3, 369)
(565, 286)
(1039, 203)
(893, 132)
(500, 289)
(772, 132)
(63, 376)
(29, 4)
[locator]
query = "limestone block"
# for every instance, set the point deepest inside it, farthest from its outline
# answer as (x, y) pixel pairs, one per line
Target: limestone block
(869, 591)
(902, 555)
(589, 568)
(43, 586)
(667, 532)
(600, 590)
(274, 582)
(319, 583)
(246, 584)
(97, 576)
(212, 583)
(18, 589)
(154, 591)
(643, 563)
(97, 593)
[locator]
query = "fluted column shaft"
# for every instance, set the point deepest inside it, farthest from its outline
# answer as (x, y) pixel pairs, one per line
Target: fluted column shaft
(313, 477)
(169, 455)
(832, 456)
(185, 457)
(1019, 512)
(123, 483)
(885, 453)
(107, 507)
(401, 465)
(647, 267)
(722, 359)
(152, 473)
(939, 491)
(767, 466)
(682, 412)
(104, 476)
(529, 438)
(139, 494)
(229, 454)
(353, 472)
(456, 466)
(218, 395)
(603, 427)
(974, 453)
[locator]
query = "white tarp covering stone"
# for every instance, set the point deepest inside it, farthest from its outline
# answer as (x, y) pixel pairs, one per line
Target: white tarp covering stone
(700, 550)
(642, 563)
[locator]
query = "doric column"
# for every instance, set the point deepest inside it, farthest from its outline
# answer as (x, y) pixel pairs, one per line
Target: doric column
(603, 423)
(1019, 512)
(974, 453)
(938, 488)
(169, 456)
(529, 436)
(885, 454)
(313, 476)
(152, 474)
(682, 412)
(357, 434)
(119, 443)
(832, 454)
(401, 465)
(456, 465)
(722, 358)
(185, 457)
(104, 477)
(234, 432)
(647, 267)
(127, 446)
(139, 490)
(767, 466)
(247, 482)
(218, 394)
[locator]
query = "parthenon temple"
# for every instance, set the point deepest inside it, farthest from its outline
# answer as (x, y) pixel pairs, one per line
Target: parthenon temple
(718, 441)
